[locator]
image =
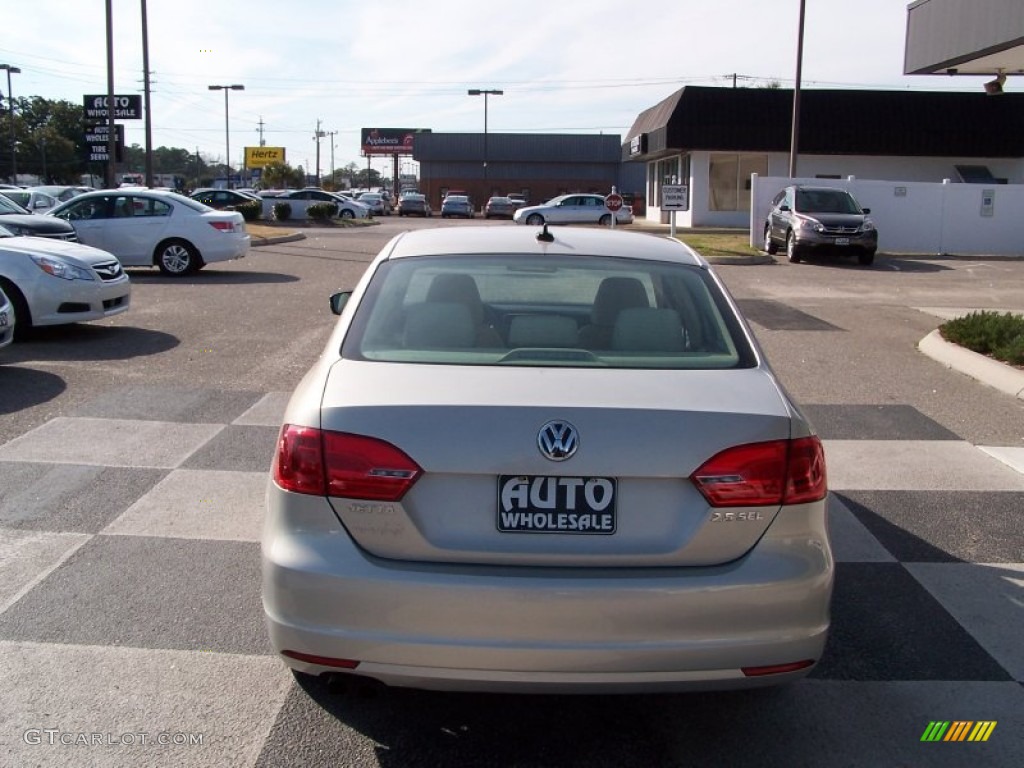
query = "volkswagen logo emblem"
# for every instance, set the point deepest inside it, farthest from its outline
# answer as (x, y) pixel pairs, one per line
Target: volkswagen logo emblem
(558, 440)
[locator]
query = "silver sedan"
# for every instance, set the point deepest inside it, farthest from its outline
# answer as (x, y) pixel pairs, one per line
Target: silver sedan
(533, 461)
(573, 209)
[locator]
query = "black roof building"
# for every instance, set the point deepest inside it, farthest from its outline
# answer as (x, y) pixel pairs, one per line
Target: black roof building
(832, 122)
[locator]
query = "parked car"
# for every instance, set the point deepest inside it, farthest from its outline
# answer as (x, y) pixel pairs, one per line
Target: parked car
(573, 209)
(146, 228)
(219, 199)
(63, 192)
(457, 205)
(50, 282)
(645, 509)
(7, 320)
(30, 199)
(499, 208)
(518, 199)
(20, 222)
(809, 220)
(347, 209)
(377, 203)
(414, 205)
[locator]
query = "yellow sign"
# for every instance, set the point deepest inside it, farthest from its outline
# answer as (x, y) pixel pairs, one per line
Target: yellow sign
(257, 157)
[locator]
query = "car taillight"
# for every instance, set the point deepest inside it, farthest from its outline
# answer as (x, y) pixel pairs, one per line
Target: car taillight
(223, 226)
(764, 474)
(327, 463)
(360, 467)
(299, 461)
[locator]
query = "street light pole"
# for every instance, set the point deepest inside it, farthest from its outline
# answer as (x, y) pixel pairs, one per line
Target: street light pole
(227, 131)
(10, 116)
(485, 93)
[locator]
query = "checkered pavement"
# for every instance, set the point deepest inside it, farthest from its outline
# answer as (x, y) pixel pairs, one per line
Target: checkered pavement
(130, 614)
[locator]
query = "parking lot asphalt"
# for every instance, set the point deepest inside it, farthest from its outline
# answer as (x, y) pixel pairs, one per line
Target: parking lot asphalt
(134, 453)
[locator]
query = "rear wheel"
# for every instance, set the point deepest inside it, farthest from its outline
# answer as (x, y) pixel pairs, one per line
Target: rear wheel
(605, 220)
(346, 214)
(769, 245)
(535, 219)
(791, 250)
(866, 258)
(177, 258)
(22, 314)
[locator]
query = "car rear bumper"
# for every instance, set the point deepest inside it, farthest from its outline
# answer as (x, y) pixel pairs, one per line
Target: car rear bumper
(457, 627)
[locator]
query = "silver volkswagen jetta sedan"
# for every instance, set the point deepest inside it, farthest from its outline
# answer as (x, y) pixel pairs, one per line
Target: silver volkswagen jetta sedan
(533, 461)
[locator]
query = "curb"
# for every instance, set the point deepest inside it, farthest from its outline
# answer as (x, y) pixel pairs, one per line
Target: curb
(998, 375)
(289, 238)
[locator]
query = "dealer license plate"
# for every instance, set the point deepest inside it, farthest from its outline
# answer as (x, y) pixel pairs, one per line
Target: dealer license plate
(842, 241)
(546, 504)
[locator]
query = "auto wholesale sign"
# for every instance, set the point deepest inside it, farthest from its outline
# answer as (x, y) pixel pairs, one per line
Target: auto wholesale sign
(389, 141)
(97, 146)
(258, 157)
(128, 107)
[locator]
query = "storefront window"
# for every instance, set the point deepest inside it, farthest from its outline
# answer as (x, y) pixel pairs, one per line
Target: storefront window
(729, 180)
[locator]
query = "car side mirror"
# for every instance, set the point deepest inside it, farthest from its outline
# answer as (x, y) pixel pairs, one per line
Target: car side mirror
(866, 211)
(339, 300)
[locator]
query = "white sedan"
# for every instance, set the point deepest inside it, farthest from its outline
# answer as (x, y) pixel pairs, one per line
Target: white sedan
(146, 227)
(51, 282)
(545, 461)
(572, 209)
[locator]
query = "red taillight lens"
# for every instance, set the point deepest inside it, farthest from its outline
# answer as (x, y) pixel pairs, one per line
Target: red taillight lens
(361, 467)
(323, 661)
(223, 226)
(299, 464)
(777, 669)
(764, 474)
(805, 476)
(325, 463)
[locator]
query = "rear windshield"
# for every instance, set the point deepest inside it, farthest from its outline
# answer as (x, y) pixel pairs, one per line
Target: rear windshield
(546, 311)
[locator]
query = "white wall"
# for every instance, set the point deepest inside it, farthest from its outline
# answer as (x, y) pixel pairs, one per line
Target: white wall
(899, 170)
(919, 217)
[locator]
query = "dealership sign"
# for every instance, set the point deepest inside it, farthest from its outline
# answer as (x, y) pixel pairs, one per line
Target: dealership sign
(389, 141)
(97, 146)
(125, 107)
(258, 157)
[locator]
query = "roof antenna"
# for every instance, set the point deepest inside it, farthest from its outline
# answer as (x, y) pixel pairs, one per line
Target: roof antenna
(544, 236)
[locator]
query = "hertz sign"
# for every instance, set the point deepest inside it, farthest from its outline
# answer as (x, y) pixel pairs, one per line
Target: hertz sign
(257, 157)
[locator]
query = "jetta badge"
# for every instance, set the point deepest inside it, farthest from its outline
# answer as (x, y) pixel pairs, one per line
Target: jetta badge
(558, 440)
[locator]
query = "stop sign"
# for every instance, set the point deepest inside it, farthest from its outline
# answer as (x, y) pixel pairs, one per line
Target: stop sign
(613, 201)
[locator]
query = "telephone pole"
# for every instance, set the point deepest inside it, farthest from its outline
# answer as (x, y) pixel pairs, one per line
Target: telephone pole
(263, 143)
(317, 136)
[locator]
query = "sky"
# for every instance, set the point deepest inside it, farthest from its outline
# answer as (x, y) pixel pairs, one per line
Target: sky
(565, 66)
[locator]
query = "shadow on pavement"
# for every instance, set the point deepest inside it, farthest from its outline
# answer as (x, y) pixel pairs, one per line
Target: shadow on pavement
(83, 342)
(210, 276)
(26, 387)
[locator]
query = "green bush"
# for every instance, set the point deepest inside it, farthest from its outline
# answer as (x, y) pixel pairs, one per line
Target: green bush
(322, 211)
(282, 211)
(251, 211)
(989, 333)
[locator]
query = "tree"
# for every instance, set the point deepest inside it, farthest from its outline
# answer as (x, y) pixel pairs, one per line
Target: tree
(281, 176)
(49, 139)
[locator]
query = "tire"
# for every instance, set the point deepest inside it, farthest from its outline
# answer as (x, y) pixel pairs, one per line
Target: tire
(792, 253)
(535, 219)
(605, 220)
(866, 258)
(769, 245)
(22, 314)
(177, 258)
(346, 214)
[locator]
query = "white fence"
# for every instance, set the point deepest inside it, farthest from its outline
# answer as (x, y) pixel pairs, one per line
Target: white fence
(920, 217)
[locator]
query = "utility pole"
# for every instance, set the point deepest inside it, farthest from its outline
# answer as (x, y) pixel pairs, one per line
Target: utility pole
(112, 131)
(146, 91)
(260, 129)
(332, 134)
(794, 141)
(317, 136)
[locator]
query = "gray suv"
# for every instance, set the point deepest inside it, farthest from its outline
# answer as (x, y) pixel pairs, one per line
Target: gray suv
(806, 220)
